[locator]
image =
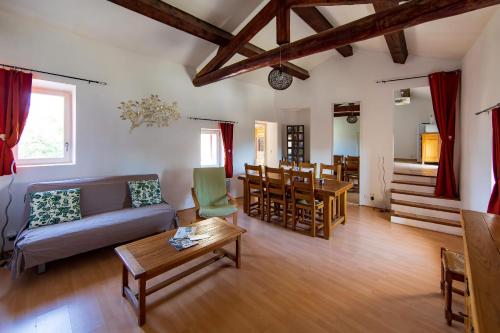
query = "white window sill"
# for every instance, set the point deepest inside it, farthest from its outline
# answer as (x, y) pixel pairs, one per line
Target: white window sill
(42, 165)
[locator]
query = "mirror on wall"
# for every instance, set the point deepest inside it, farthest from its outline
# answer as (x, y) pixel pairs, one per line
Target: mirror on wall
(346, 146)
(417, 144)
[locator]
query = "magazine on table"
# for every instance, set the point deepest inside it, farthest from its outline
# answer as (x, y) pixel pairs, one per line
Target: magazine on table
(185, 237)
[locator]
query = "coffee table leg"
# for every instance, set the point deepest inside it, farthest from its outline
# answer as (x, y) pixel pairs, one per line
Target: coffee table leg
(238, 252)
(142, 302)
(124, 279)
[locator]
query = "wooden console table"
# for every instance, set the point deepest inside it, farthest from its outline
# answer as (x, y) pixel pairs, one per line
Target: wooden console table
(482, 271)
(149, 257)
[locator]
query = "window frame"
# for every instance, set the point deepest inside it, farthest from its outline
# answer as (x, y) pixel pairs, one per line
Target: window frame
(68, 93)
(220, 148)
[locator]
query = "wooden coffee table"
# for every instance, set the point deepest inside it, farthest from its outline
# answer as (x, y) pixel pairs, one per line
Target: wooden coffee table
(149, 257)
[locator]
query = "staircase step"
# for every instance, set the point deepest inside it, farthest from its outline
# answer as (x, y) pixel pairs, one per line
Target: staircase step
(421, 194)
(429, 223)
(420, 179)
(426, 206)
(415, 174)
(429, 219)
(410, 186)
(411, 182)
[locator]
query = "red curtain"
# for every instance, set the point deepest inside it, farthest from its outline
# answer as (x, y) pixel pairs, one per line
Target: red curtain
(444, 90)
(494, 204)
(15, 94)
(227, 139)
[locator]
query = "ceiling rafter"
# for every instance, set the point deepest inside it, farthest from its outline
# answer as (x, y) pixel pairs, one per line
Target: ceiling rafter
(381, 23)
(283, 23)
(259, 21)
(176, 18)
(396, 41)
(313, 17)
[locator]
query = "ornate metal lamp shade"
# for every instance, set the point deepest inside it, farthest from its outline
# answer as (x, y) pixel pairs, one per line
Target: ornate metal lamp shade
(279, 80)
(352, 119)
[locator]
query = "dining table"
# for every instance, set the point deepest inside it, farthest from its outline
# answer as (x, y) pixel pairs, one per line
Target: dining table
(332, 192)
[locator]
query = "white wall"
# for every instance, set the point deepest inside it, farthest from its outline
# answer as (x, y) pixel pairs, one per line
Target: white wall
(353, 79)
(272, 150)
(407, 119)
(480, 89)
(103, 144)
(295, 116)
(345, 137)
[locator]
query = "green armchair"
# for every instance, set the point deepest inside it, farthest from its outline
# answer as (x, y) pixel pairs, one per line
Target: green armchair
(210, 195)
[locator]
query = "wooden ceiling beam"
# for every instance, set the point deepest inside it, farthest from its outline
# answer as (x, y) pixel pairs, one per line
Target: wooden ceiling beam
(313, 17)
(385, 22)
(313, 3)
(395, 41)
(259, 21)
(346, 114)
(283, 23)
(176, 18)
(346, 108)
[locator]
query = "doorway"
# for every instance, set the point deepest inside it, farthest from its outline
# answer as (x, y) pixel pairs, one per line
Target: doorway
(417, 144)
(346, 145)
(266, 143)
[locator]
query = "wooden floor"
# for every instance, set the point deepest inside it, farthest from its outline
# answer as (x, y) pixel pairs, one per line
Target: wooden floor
(372, 276)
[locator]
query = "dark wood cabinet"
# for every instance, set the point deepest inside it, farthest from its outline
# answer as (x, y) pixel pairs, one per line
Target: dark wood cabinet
(295, 143)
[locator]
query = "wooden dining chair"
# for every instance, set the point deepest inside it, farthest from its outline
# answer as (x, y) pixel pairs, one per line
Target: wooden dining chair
(330, 171)
(287, 164)
(277, 202)
(306, 166)
(305, 208)
(351, 170)
(255, 189)
(338, 159)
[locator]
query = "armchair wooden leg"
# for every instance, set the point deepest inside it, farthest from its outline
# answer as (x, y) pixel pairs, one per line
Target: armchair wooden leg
(235, 218)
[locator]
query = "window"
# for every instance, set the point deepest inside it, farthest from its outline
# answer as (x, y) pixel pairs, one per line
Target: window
(212, 153)
(48, 134)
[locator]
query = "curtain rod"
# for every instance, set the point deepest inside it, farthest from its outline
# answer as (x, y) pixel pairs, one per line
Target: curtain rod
(409, 78)
(488, 109)
(402, 79)
(54, 74)
(217, 120)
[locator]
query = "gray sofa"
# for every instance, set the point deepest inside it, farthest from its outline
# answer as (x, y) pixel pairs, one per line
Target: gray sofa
(107, 219)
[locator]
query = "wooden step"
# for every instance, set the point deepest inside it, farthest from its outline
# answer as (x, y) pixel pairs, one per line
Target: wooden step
(426, 206)
(421, 194)
(408, 173)
(428, 219)
(410, 182)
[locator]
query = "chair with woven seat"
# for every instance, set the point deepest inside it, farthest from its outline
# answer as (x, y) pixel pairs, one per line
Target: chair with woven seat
(351, 170)
(306, 166)
(305, 208)
(210, 195)
(452, 269)
(277, 201)
(255, 189)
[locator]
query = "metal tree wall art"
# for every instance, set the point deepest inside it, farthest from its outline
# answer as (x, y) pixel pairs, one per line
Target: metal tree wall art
(150, 111)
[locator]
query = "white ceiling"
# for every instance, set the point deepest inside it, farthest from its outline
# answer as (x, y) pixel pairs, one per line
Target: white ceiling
(104, 21)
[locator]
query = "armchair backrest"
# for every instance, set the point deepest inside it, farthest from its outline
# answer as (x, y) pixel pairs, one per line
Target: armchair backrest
(210, 186)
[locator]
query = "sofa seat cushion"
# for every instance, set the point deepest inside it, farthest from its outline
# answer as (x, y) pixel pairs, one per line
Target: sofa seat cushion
(41, 245)
(217, 211)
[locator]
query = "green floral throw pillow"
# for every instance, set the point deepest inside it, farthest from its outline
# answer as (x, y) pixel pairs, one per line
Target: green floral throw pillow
(145, 192)
(53, 207)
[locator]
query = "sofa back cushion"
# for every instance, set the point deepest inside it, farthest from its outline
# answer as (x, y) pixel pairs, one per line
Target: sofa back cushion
(53, 207)
(97, 195)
